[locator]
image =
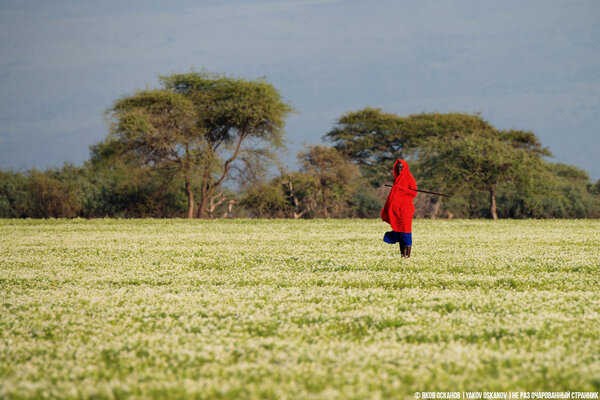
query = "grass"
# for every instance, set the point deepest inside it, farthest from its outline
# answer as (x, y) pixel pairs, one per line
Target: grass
(238, 309)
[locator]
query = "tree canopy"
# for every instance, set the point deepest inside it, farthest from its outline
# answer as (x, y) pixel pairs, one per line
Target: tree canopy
(202, 127)
(371, 138)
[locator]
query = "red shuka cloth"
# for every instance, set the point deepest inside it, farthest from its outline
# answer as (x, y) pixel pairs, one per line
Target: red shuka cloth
(399, 208)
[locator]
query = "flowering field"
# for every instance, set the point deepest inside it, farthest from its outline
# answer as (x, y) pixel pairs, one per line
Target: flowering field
(296, 309)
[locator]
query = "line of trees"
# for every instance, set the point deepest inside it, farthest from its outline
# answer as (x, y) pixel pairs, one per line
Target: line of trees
(492, 173)
(203, 145)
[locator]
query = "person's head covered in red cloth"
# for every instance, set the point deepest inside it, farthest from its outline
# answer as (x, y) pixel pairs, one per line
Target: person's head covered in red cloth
(402, 172)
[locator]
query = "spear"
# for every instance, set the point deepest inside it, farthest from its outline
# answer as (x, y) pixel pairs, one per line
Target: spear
(425, 191)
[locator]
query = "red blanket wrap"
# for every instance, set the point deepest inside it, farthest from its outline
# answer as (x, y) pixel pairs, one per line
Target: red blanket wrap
(399, 208)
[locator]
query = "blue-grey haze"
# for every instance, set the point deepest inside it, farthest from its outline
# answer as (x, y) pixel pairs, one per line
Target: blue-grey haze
(532, 65)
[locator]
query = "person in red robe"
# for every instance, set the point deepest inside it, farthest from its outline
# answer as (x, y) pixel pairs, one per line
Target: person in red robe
(399, 208)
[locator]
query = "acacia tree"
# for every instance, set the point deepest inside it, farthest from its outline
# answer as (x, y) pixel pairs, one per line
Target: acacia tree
(374, 140)
(201, 126)
(483, 160)
(450, 152)
(333, 173)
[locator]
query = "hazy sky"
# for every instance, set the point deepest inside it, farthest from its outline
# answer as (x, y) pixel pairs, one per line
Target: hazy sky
(532, 65)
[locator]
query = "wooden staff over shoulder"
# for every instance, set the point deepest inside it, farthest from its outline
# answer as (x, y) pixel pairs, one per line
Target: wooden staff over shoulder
(424, 191)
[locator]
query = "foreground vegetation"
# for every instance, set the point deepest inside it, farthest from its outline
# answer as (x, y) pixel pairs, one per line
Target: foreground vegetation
(296, 308)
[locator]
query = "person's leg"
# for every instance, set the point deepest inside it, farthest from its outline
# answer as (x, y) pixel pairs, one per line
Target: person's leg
(402, 248)
(406, 240)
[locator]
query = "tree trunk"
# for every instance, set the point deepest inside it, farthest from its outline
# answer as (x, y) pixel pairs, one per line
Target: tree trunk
(290, 186)
(436, 209)
(209, 189)
(215, 201)
(229, 211)
(493, 200)
(325, 213)
(190, 196)
(203, 201)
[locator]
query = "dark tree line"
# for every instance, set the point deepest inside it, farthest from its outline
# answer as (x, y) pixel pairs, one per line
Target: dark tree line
(202, 145)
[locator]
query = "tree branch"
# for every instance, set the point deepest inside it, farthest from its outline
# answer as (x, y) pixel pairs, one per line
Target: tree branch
(230, 159)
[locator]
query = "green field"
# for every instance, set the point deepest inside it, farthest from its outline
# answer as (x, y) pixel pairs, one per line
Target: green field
(296, 309)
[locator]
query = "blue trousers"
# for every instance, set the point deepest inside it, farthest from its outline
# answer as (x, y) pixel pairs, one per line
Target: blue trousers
(393, 237)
